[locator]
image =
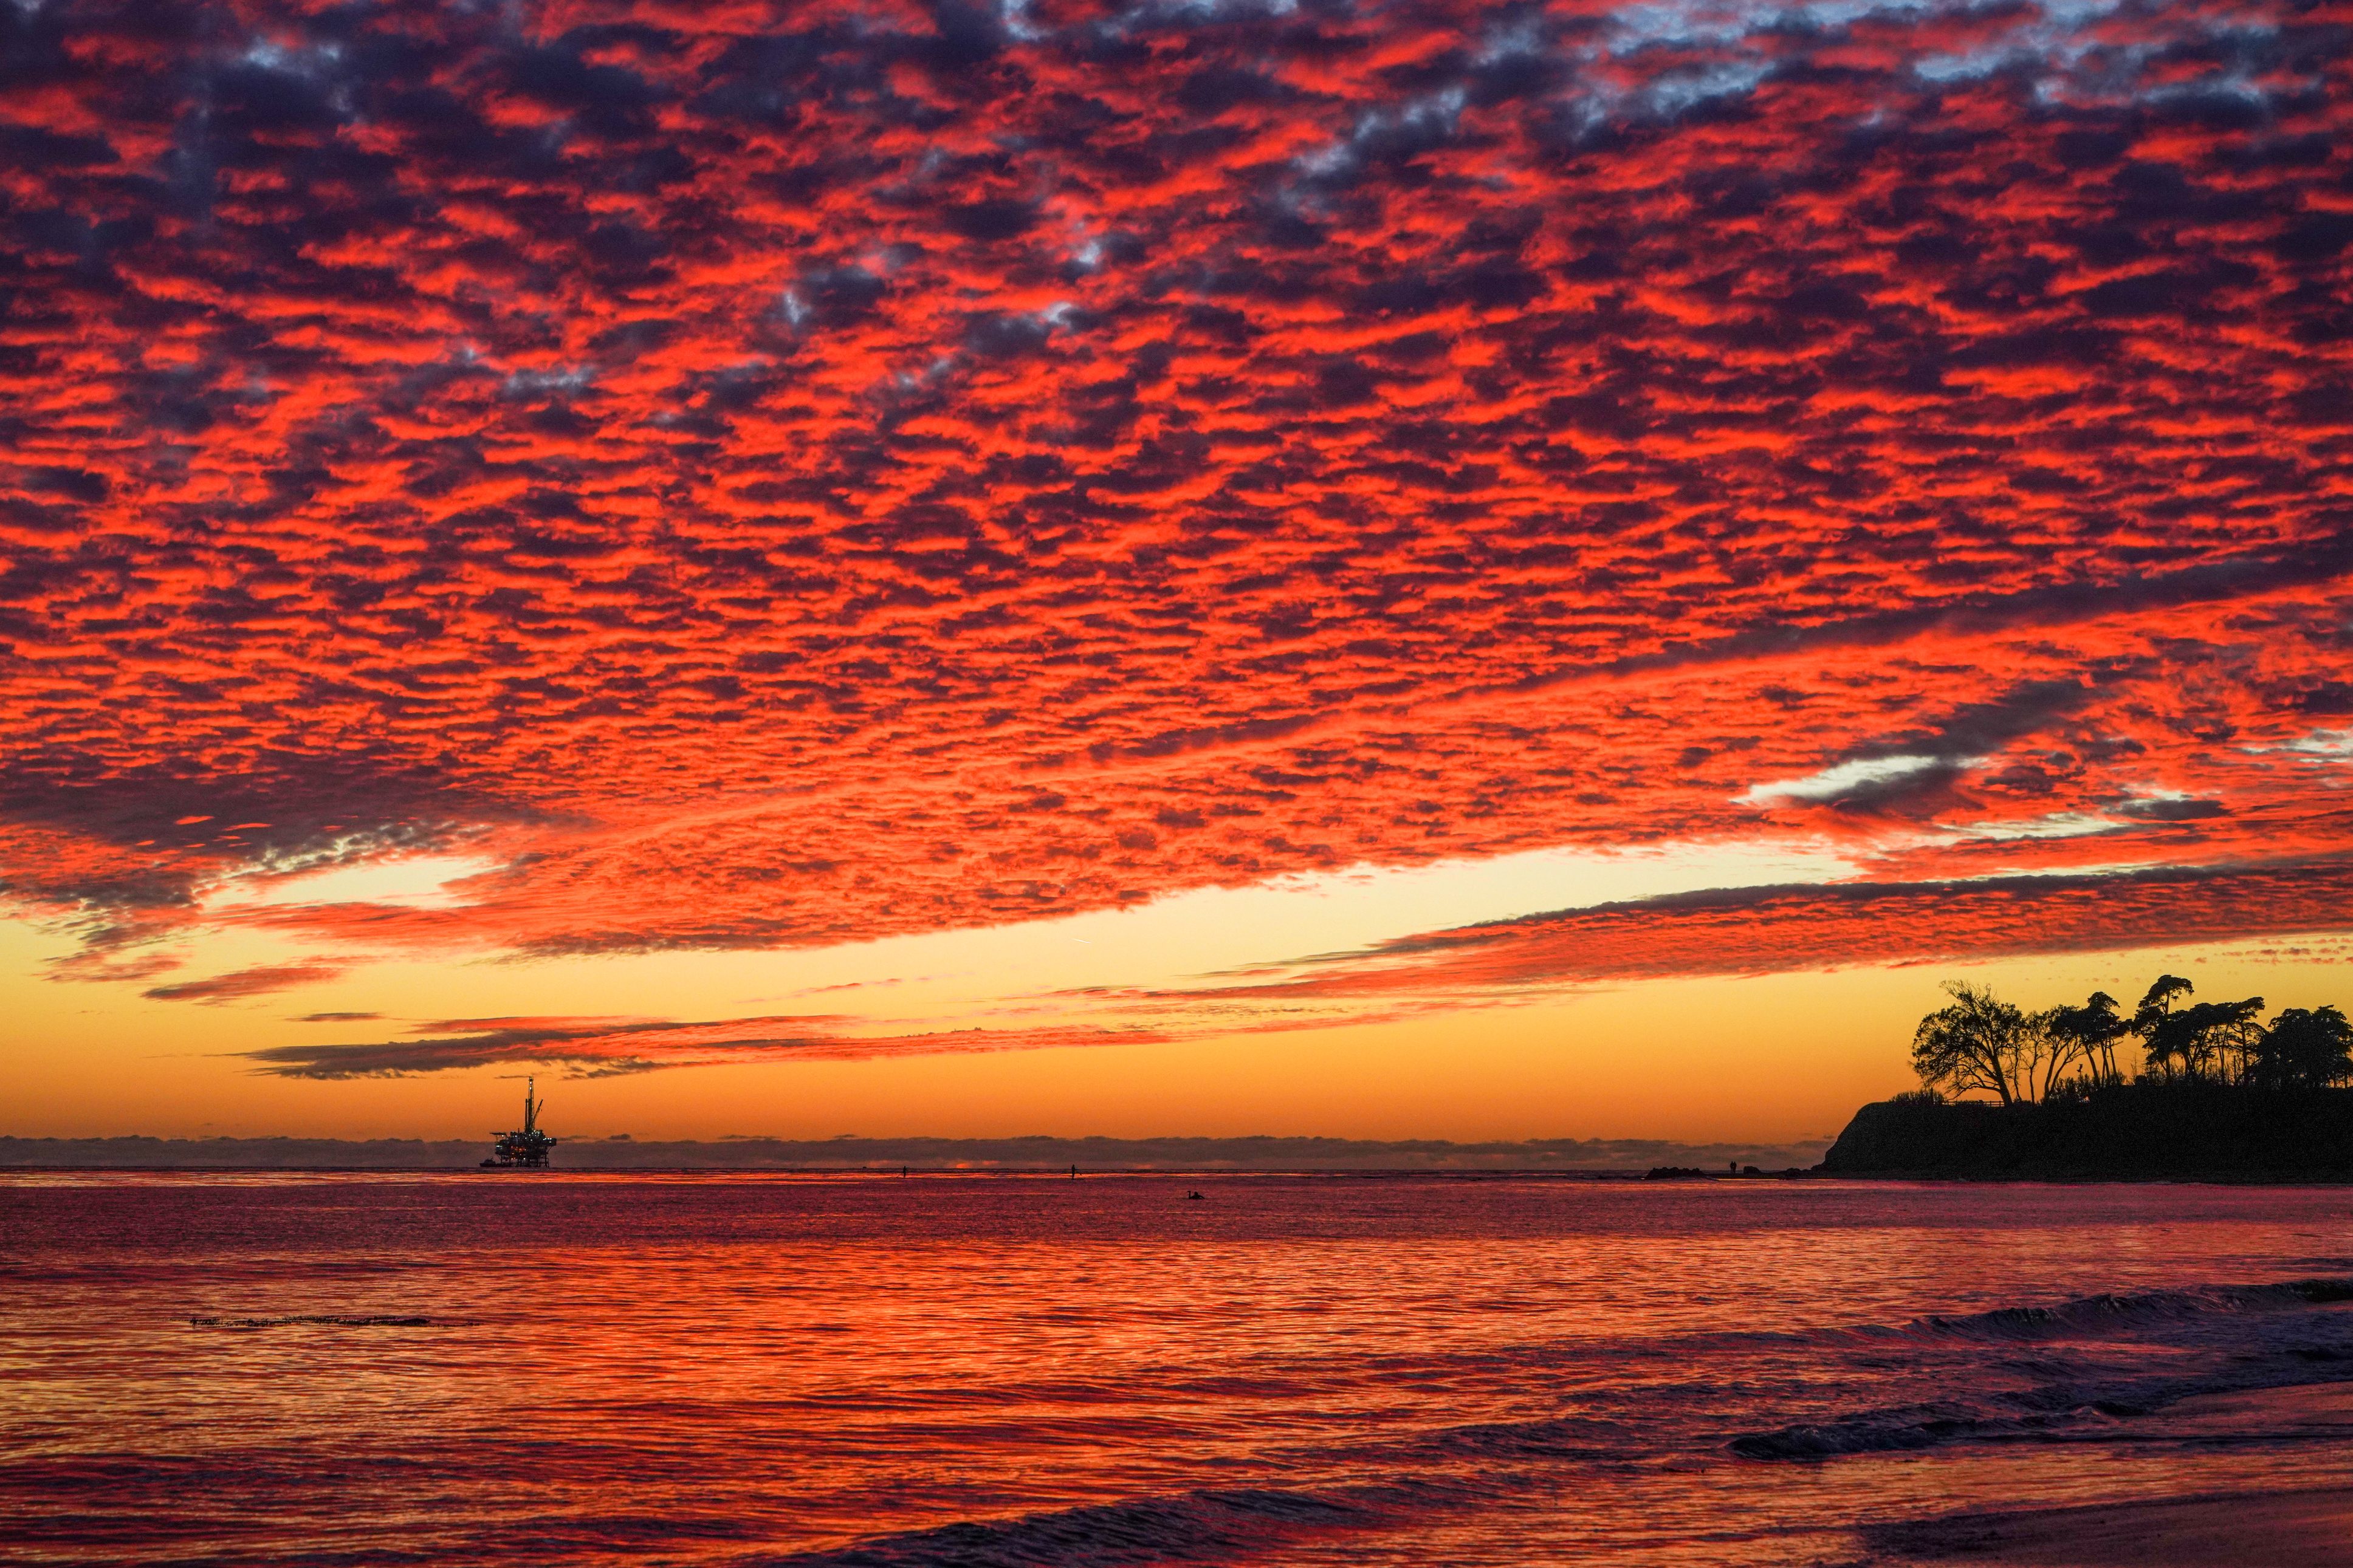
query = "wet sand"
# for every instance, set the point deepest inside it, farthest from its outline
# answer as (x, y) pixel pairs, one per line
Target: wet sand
(2300, 1529)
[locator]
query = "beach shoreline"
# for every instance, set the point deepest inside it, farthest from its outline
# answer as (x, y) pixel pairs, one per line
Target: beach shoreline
(2288, 1528)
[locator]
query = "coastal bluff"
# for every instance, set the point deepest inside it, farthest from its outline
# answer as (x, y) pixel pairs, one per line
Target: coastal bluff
(2136, 1131)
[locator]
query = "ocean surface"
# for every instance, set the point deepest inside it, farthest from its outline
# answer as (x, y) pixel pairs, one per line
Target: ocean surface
(457, 1368)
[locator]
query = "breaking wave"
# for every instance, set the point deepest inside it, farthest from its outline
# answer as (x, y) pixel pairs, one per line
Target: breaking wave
(2309, 1349)
(1191, 1526)
(2097, 1316)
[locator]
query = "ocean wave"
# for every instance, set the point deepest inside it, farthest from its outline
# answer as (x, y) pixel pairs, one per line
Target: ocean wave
(1559, 1438)
(2104, 1316)
(329, 1319)
(2090, 1318)
(1905, 1428)
(1215, 1525)
(2094, 1317)
(2310, 1351)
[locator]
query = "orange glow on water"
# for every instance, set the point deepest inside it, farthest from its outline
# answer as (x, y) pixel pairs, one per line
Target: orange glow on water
(1380, 1370)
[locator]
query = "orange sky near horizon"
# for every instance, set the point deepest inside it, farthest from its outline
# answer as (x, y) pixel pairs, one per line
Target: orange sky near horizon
(1444, 569)
(1763, 1058)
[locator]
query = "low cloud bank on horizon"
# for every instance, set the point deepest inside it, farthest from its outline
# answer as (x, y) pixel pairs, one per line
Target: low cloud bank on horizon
(1047, 1154)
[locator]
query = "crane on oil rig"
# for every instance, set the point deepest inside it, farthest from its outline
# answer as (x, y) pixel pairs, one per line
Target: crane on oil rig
(529, 1147)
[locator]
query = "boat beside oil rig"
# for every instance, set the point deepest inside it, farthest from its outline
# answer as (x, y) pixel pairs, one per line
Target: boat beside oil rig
(528, 1148)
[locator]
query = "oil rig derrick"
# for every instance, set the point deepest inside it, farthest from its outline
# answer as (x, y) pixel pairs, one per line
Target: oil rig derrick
(529, 1146)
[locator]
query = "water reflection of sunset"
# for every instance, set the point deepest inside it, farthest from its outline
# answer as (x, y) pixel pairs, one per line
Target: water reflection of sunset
(748, 1367)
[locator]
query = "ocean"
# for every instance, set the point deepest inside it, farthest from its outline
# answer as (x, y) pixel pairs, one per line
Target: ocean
(476, 1367)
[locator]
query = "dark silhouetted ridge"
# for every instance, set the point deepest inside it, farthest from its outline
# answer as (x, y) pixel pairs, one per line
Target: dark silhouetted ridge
(2136, 1131)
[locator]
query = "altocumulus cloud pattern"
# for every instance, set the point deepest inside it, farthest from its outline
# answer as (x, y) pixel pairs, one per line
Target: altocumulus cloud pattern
(766, 474)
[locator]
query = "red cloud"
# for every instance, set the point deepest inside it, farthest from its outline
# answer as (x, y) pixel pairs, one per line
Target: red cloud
(1756, 931)
(256, 981)
(603, 1046)
(772, 482)
(1735, 931)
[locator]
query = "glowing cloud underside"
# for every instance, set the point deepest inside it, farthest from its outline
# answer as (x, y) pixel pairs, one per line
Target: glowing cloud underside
(738, 477)
(1733, 932)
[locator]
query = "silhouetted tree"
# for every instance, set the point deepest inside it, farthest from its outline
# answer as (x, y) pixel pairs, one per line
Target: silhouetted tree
(1981, 1042)
(2048, 1056)
(2305, 1048)
(2212, 1040)
(2092, 1029)
(2236, 1035)
(2148, 1021)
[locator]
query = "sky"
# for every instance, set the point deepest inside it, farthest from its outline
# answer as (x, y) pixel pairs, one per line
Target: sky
(1437, 569)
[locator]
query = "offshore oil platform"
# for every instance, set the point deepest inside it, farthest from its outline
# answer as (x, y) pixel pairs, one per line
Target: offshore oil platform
(528, 1148)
